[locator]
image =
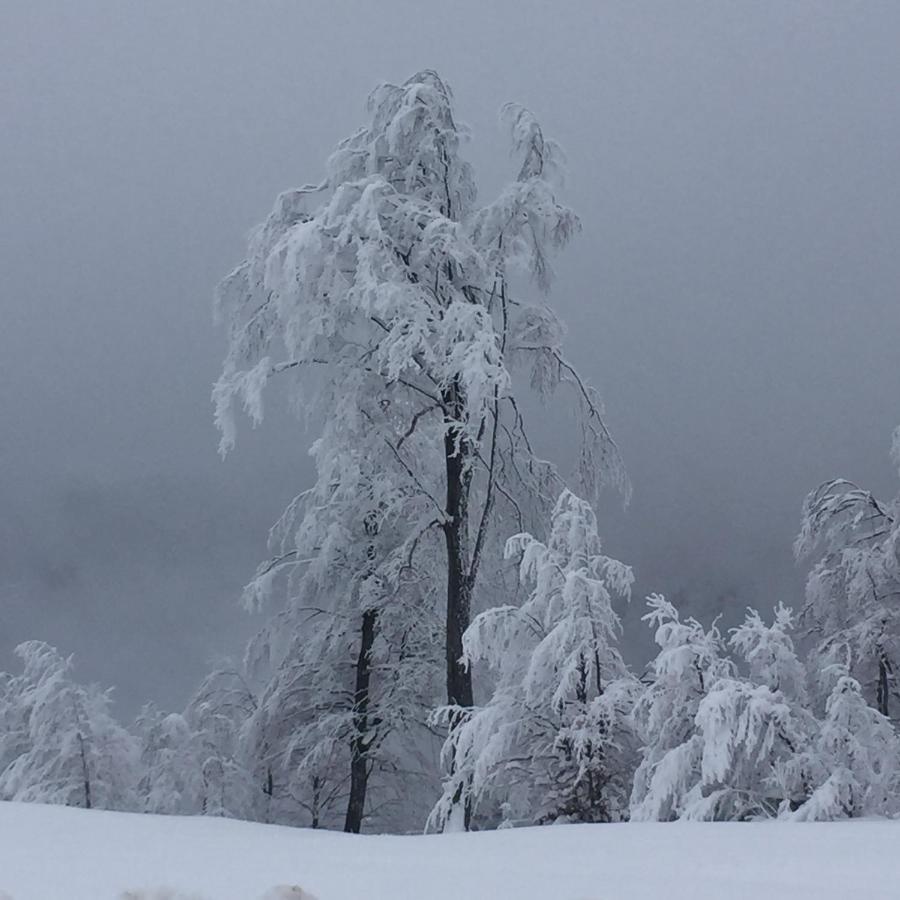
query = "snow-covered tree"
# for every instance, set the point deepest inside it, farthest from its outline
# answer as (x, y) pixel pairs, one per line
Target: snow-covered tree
(387, 300)
(300, 736)
(13, 721)
(552, 742)
(857, 757)
(753, 732)
(73, 750)
(853, 590)
(216, 716)
(172, 758)
(769, 653)
(690, 661)
(722, 746)
(750, 740)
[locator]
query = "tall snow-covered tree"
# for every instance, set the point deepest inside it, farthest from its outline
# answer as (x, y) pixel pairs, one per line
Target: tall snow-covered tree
(853, 590)
(73, 751)
(394, 308)
(552, 741)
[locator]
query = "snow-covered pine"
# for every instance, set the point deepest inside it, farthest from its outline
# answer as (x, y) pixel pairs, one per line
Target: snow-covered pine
(852, 608)
(690, 661)
(70, 750)
(384, 298)
(857, 758)
(552, 743)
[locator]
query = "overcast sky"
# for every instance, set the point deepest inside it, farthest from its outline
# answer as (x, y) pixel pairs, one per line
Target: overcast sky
(735, 294)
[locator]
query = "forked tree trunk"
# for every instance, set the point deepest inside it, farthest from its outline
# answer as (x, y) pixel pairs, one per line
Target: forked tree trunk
(361, 740)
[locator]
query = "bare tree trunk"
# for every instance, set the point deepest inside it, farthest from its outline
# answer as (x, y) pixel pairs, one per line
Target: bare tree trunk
(361, 740)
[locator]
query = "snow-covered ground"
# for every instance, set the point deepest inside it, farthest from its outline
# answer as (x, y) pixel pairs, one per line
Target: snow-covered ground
(55, 853)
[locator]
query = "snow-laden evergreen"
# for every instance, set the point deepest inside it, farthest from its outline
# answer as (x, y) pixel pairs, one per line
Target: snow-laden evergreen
(552, 743)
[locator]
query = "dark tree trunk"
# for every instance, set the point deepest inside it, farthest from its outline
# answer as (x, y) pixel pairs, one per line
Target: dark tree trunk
(457, 455)
(883, 687)
(269, 791)
(361, 740)
(457, 458)
(88, 803)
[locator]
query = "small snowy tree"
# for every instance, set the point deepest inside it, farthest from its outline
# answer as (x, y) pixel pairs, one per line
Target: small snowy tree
(172, 760)
(744, 754)
(75, 753)
(551, 743)
(853, 590)
(749, 737)
(385, 298)
(690, 661)
(754, 732)
(216, 715)
(857, 757)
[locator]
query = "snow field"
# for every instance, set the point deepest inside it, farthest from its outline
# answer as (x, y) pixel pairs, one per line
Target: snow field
(59, 853)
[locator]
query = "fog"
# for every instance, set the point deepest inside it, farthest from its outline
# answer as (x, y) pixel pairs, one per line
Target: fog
(734, 294)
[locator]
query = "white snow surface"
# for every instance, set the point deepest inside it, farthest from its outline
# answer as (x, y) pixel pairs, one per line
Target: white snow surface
(58, 853)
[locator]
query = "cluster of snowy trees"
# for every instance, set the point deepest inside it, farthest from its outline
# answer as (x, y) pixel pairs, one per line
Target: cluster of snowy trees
(729, 726)
(442, 643)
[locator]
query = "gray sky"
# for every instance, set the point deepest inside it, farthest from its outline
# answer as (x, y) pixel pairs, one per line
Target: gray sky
(735, 294)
